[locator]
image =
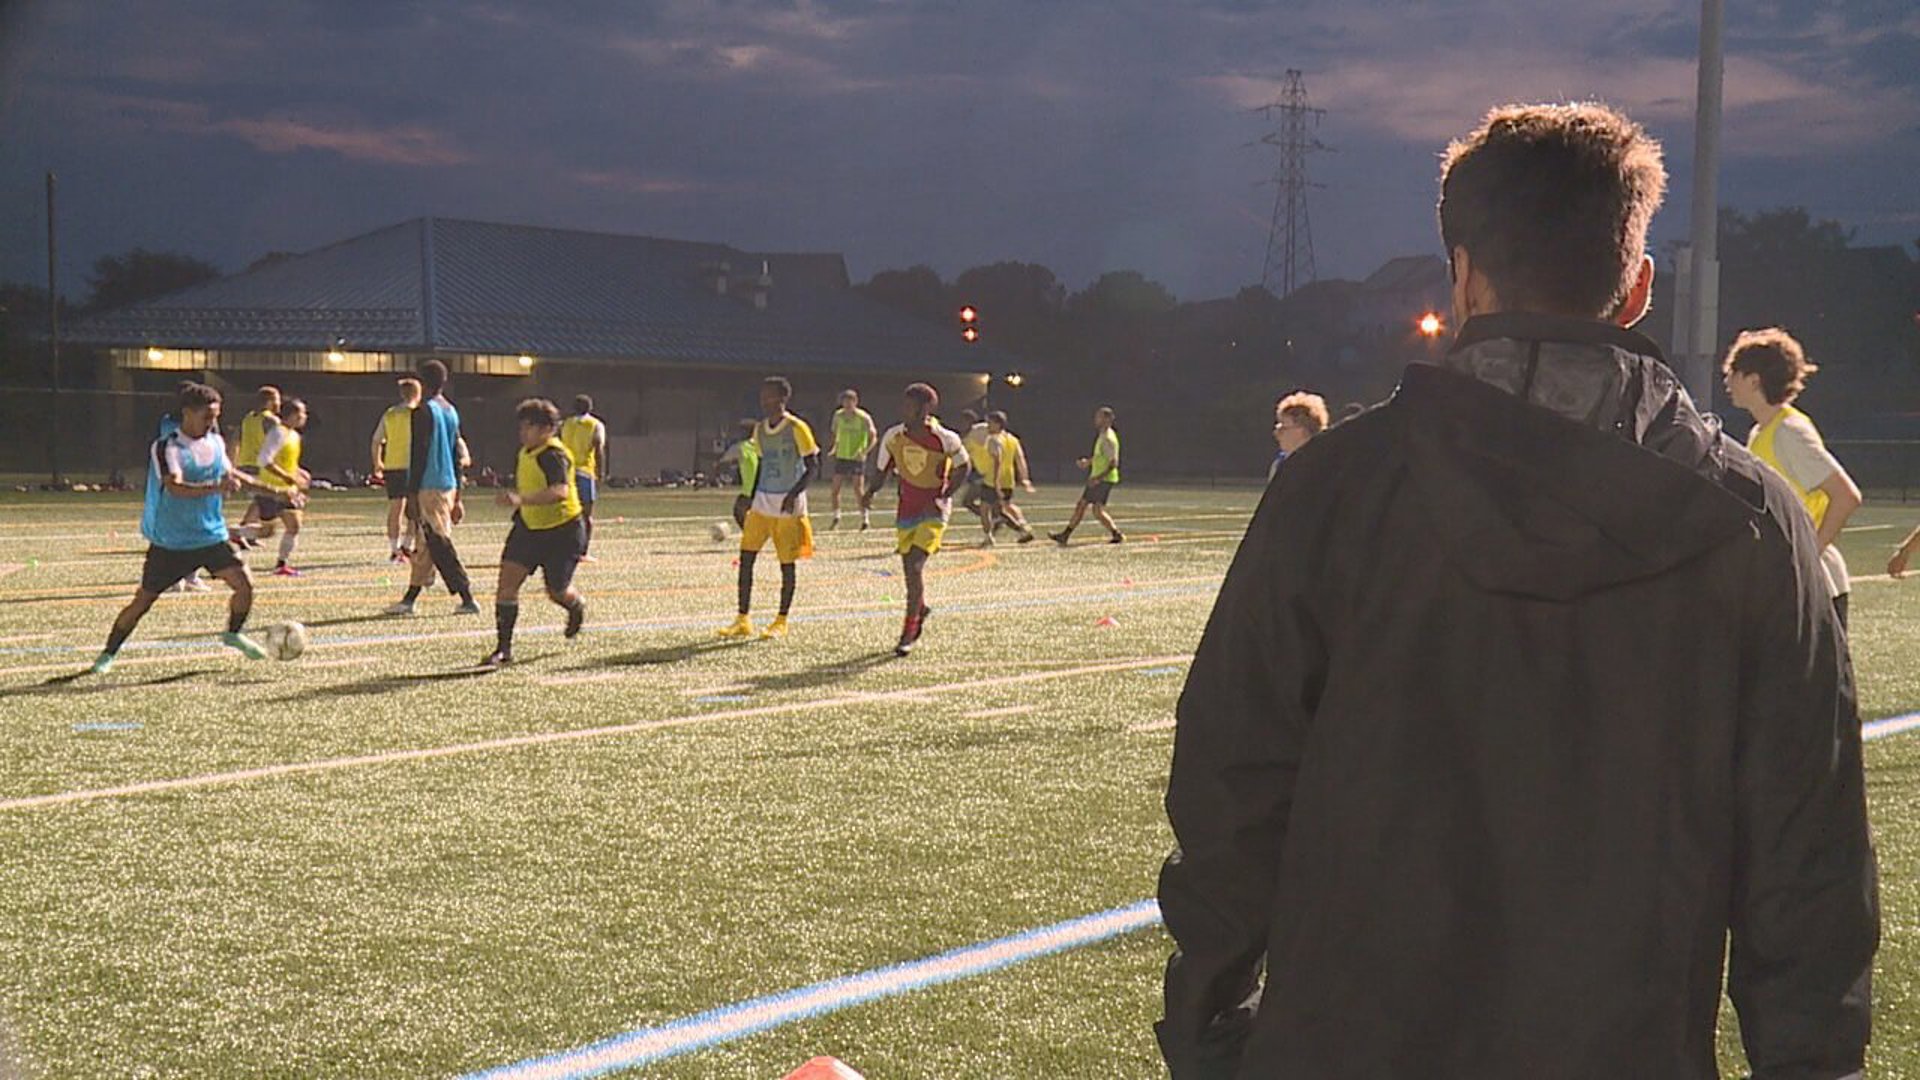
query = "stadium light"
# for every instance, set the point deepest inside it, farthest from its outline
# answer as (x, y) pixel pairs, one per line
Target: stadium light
(968, 314)
(336, 357)
(970, 335)
(1015, 379)
(526, 361)
(155, 354)
(1430, 324)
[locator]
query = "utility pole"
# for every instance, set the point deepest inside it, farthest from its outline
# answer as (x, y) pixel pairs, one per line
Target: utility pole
(53, 338)
(1289, 259)
(1696, 331)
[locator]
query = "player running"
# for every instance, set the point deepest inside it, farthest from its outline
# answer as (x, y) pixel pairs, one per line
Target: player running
(549, 526)
(789, 460)
(185, 524)
(392, 454)
(973, 491)
(1103, 472)
(254, 428)
(930, 460)
(1006, 468)
(281, 474)
(585, 437)
(433, 493)
(852, 434)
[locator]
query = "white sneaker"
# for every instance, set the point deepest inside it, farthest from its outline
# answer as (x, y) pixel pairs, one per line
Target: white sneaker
(399, 607)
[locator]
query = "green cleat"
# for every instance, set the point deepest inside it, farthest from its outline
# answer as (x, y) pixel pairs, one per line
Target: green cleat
(104, 664)
(244, 645)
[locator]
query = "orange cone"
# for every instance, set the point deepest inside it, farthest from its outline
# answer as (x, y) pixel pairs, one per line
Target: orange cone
(824, 1068)
(1107, 621)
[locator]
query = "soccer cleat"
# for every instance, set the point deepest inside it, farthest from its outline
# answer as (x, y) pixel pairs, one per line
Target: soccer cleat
(834, 524)
(575, 616)
(498, 658)
(467, 607)
(103, 664)
(864, 523)
(1027, 537)
(244, 645)
(283, 570)
(740, 627)
(398, 607)
(1059, 538)
(1116, 538)
(909, 635)
(776, 629)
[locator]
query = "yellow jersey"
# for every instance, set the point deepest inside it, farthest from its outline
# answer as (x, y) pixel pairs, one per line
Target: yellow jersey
(581, 436)
(1762, 446)
(253, 435)
(282, 451)
(396, 431)
(975, 440)
(536, 472)
(1007, 475)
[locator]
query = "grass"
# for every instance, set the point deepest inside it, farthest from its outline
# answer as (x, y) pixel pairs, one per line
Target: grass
(798, 810)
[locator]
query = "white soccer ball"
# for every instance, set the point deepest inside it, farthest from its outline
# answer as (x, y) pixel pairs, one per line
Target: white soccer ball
(720, 530)
(285, 641)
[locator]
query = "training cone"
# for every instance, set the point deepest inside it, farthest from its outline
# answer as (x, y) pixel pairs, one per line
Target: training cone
(824, 1068)
(1107, 620)
(1126, 581)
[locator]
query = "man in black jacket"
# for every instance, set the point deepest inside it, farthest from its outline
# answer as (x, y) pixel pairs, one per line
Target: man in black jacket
(1522, 694)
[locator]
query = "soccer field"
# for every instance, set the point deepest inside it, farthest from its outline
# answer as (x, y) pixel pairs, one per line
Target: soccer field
(374, 861)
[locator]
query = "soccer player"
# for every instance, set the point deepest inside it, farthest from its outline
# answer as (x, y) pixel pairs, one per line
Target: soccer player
(246, 454)
(585, 437)
(392, 453)
(1006, 469)
(184, 522)
(433, 492)
(789, 460)
(1103, 472)
(549, 526)
(1765, 371)
(170, 423)
(973, 490)
(281, 474)
(1897, 562)
(852, 434)
(930, 460)
(1297, 417)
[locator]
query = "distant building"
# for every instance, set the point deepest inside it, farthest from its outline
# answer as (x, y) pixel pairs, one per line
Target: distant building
(1390, 302)
(670, 337)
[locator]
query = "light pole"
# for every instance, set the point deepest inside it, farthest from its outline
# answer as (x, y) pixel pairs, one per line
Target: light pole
(53, 340)
(1696, 331)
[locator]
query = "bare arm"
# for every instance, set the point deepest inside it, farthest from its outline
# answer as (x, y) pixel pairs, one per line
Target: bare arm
(1897, 566)
(1843, 498)
(379, 443)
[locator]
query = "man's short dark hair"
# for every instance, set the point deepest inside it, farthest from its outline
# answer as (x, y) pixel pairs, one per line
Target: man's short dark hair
(923, 394)
(195, 395)
(269, 393)
(582, 404)
(1552, 204)
(433, 376)
(288, 406)
(1775, 356)
(997, 417)
(970, 416)
(1104, 412)
(537, 411)
(778, 384)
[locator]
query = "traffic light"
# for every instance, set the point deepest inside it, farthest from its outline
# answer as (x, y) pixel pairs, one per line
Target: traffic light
(969, 324)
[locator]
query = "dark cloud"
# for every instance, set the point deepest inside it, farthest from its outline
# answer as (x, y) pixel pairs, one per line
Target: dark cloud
(1086, 135)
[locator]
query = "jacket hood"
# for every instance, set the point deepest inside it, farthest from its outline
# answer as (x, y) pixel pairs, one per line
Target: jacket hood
(1561, 456)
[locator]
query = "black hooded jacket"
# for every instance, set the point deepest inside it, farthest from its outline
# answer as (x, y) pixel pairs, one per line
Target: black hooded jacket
(1522, 694)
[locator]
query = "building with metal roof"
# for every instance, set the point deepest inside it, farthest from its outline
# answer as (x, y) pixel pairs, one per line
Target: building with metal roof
(669, 336)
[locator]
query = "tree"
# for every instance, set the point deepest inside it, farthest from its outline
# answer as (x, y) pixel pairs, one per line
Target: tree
(916, 291)
(1123, 292)
(1012, 294)
(1786, 233)
(118, 280)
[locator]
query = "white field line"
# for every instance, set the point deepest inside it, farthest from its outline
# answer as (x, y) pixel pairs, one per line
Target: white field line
(995, 714)
(1066, 591)
(710, 691)
(390, 757)
(1153, 725)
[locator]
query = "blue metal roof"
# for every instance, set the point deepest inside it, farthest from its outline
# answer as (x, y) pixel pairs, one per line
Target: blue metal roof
(440, 284)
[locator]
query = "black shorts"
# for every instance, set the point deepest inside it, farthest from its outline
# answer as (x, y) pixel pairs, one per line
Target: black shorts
(1097, 493)
(165, 566)
(397, 483)
(849, 466)
(269, 507)
(554, 552)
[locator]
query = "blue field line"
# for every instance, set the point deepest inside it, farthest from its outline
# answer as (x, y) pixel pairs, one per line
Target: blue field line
(688, 623)
(644, 1046)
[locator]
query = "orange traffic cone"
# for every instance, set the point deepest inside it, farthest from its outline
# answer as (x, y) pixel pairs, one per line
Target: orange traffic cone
(1107, 621)
(824, 1068)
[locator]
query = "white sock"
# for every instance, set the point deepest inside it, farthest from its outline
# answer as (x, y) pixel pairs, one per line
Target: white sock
(287, 540)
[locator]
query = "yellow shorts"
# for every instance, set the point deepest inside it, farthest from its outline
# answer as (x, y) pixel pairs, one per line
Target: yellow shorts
(792, 536)
(925, 536)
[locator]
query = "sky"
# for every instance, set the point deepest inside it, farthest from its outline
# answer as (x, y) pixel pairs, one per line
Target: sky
(1088, 135)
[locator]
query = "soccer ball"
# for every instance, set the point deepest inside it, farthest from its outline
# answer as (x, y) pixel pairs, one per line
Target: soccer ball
(285, 641)
(719, 530)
